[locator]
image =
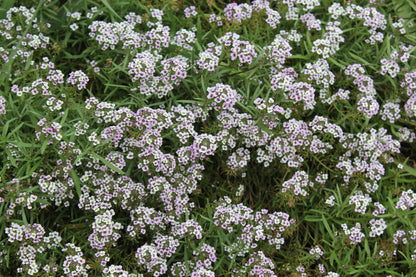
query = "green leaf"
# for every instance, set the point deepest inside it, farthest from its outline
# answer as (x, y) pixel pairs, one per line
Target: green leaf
(312, 219)
(206, 218)
(412, 4)
(15, 129)
(309, 40)
(77, 182)
(410, 170)
(107, 163)
(333, 258)
(338, 63)
(245, 107)
(65, 115)
(367, 248)
(42, 201)
(24, 216)
(325, 222)
(7, 4)
(218, 263)
(364, 62)
(11, 158)
(44, 145)
(403, 9)
(105, 2)
(21, 144)
(6, 127)
(299, 56)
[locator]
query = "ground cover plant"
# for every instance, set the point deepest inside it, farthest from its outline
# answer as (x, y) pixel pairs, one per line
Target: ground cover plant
(207, 138)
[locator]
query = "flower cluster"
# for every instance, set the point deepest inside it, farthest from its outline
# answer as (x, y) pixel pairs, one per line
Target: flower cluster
(143, 69)
(238, 160)
(302, 92)
(190, 11)
(292, 12)
(148, 256)
(49, 128)
(157, 37)
(184, 38)
(209, 59)
(277, 52)
(189, 228)
(407, 200)
(354, 234)
(372, 18)
(390, 111)
(258, 265)
(330, 201)
(224, 97)
(144, 218)
(405, 134)
(184, 129)
(298, 183)
(341, 94)
(273, 17)
(252, 228)
(110, 34)
(16, 20)
(33, 242)
(37, 86)
(116, 270)
(75, 263)
(316, 251)
(390, 67)
(360, 201)
(377, 227)
(55, 76)
(213, 18)
(240, 49)
(78, 78)
(238, 12)
(271, 119)
(320, 73)
(330, 44)
(205, 257)
(283, 79)
(54, 104)
(402, 237)
(143, 66)
(372, 150)
(380, 209)
(310, 21)
(104, 231)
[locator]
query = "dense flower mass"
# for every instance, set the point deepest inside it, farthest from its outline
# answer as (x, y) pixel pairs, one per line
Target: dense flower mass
(178, 138)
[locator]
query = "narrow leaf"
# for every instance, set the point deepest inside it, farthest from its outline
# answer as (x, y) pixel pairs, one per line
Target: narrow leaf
(107, 163)
(77, 182)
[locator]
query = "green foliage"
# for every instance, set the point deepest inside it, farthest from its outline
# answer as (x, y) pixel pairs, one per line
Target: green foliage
(29, 152)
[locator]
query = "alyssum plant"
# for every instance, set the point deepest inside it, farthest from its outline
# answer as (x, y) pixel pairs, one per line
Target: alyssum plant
(271, 138)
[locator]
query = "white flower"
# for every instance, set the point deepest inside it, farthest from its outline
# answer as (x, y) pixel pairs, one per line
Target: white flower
(73, 26)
